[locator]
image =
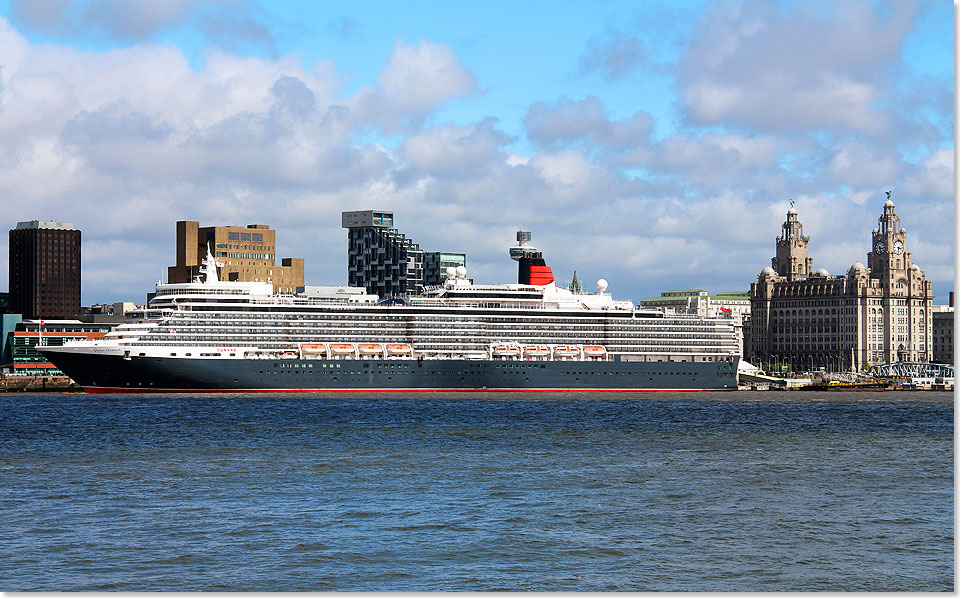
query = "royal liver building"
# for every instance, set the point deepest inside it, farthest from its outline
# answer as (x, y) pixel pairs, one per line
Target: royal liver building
(879, 313)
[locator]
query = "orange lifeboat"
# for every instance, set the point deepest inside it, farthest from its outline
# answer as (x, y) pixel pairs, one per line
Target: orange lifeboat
(505, 350)
(536, 351)
(342, 349)
(399, 349)
(566, 352)
(313, 348)
(594, 351)
(371, 349)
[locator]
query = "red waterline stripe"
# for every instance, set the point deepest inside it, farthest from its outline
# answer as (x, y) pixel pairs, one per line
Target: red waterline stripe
(131, 390)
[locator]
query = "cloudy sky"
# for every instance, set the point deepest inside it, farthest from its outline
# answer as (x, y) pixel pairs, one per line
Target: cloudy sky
(653, 144)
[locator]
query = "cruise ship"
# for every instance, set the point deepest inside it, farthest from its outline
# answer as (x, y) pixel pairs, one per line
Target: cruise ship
(219, 336)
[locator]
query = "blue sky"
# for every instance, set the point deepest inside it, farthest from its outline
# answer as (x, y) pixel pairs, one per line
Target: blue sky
(653, 144)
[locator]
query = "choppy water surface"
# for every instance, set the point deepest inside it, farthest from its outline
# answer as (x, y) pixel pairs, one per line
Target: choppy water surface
(731, 491)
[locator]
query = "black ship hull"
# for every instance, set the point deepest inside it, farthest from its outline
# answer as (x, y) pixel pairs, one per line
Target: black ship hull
(98, 373)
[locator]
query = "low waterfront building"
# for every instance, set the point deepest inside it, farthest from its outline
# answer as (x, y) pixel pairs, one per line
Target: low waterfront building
(29, 334)
(8, 323)
(873, 314)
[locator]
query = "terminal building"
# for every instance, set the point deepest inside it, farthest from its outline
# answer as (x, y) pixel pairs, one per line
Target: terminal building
(44, 269)
(27, 335)
(874, 314)
(246, 254)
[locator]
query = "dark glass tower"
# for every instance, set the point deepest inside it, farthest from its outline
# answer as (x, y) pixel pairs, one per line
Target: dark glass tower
(435, 264)
(44, 269)
(381, 258)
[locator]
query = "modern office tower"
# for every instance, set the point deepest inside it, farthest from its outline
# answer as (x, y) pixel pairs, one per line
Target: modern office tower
(246, 254)
(874, 314)
(435, 264)
(379, 257)
(44, 260)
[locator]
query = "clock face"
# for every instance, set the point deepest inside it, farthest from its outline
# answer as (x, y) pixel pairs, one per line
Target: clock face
(898, 247)
(881, 247)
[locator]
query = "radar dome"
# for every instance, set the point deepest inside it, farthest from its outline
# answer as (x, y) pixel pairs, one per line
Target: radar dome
(602, 285)
(461, 272)
(451, 272)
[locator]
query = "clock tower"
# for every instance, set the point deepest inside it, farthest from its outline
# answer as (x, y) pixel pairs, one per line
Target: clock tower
(900, 308)
(889, 254)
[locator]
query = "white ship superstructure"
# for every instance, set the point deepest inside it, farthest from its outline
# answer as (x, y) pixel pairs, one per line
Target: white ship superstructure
(457, 320)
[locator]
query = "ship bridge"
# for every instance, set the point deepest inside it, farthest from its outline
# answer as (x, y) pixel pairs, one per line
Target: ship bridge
(912, 369)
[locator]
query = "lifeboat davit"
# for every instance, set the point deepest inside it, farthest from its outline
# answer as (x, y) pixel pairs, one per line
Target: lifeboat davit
(567, 352)
(399, 349)
(342, 349)
(536, 351)
(371, 349)
(595, 351)
(505, 350)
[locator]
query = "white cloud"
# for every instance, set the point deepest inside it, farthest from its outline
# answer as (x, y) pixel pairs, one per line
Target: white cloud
(417, 79)
(934, 178)
(586, 120)
(808, 67)
(463, 152)
(860, 165)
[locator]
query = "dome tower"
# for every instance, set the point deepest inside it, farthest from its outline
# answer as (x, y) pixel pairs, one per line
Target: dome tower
(792, 261)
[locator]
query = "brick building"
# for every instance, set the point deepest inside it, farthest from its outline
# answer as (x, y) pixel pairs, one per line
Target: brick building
(247, 253)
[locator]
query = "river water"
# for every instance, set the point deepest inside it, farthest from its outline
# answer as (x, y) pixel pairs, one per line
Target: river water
(655, 491)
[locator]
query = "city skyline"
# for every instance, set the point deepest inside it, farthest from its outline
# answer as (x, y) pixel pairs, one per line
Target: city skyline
(656, 146)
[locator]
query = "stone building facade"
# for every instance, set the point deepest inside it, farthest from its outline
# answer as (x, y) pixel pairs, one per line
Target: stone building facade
(943, 333)
(878, 313)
